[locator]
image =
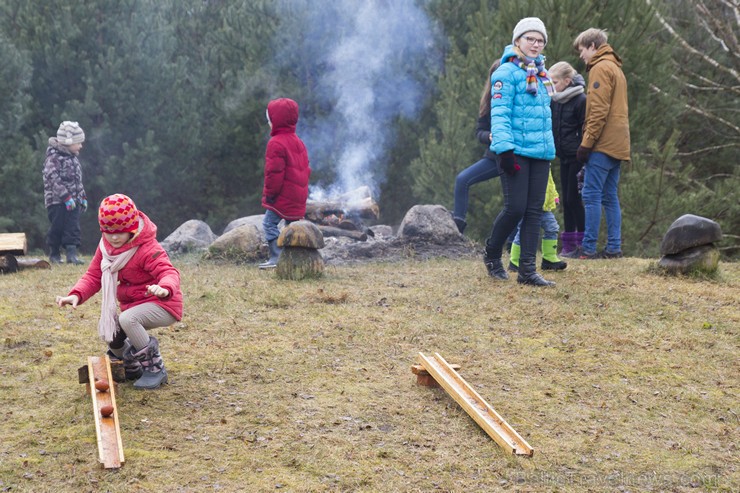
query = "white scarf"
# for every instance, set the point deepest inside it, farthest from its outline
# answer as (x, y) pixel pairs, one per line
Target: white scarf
(110, 265)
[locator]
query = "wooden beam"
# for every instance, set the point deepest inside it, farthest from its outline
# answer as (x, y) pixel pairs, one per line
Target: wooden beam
(13, 243)
(107, 429)
(478, 409)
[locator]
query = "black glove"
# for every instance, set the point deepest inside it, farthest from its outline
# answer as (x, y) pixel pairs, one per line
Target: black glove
(507, 162)
(582, 154)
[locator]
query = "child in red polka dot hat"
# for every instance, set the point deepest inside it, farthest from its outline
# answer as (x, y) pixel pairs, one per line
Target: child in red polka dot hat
(132, 268)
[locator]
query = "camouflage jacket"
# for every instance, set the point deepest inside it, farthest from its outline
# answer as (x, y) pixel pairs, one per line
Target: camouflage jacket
(62, 175)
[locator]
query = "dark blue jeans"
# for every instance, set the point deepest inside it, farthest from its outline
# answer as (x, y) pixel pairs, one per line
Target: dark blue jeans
(600, 189)
(524, 195)
(483, 170)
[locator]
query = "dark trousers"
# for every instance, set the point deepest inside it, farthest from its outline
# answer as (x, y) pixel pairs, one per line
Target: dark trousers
(65, 227)
(524, 196)
(573, 213)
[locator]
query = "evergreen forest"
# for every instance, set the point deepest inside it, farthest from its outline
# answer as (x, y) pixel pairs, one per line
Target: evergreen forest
(172, 94)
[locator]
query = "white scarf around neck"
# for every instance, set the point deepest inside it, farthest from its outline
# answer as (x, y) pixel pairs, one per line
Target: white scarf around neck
(110, 265)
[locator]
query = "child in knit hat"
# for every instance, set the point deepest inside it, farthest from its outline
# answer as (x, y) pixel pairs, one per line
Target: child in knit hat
(64, 194)
(132, 267)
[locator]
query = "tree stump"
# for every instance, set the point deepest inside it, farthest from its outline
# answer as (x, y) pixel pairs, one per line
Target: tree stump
(300, 257)
(8, 264)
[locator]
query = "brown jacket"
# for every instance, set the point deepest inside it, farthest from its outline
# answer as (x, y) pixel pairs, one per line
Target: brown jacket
(607, 126)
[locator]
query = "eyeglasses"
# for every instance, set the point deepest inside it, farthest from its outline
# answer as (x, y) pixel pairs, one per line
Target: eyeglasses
(534, 41)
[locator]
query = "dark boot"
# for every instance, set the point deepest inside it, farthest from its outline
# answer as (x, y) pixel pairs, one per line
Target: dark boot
(55, 257)
(514, 257)
(132, 367)
(460, 223)
(71, 251)
(274, 255)
(528, 274)
(153, 371)
(495, 268)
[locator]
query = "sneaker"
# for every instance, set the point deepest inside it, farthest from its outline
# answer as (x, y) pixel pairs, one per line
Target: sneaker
(583, 255)
(609, 255)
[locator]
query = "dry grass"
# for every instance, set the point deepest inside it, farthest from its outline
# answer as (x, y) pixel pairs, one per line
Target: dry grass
(621, 379)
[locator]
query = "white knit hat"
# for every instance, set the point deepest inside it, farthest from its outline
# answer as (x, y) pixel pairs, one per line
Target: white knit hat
(70, 133)
(529, 24)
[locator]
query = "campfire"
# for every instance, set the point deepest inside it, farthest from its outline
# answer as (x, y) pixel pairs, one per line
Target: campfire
(345, 214)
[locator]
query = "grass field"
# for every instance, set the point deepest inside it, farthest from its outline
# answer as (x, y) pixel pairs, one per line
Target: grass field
(621, 379)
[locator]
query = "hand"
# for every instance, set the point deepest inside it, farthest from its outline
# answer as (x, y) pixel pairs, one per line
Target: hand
(70, 203)
(72, 299)
(508, 163)
(83, 205)
(157, 290)
(557, 200)
(270, 199)
(582, 154)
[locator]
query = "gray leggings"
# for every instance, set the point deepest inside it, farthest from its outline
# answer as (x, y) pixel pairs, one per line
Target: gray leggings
(136, 320)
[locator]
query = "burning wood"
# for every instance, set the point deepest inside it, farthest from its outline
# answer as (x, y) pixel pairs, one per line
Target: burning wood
(343, 215)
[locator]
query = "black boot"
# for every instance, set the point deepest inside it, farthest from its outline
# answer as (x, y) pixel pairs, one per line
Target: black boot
(528, 274)
(460, 223)
(71, 251)
(55, 257)
(559, 265)
(132, 367)
(495, 268)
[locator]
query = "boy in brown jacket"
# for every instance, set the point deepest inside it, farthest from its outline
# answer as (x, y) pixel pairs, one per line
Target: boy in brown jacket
(605, 143)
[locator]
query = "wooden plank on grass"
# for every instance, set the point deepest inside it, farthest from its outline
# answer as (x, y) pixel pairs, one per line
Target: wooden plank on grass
(13, 243)
(107, 429)
(478, 409)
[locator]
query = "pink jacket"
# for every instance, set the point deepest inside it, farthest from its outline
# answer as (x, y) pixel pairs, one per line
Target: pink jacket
(149, 265)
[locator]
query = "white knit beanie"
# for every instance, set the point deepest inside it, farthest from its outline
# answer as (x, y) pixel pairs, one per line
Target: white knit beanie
(70, 133)
(529, 24)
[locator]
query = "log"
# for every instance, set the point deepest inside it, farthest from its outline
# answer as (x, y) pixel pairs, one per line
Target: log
(8, 264)
(33, 263)
(13, 243)
(365, 208)
(337, 232)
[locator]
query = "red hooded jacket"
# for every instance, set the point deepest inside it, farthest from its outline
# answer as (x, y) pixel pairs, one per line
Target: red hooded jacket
(286, 163)
(149, 265)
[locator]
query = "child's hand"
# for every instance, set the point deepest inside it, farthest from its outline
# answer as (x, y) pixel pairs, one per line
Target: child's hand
(158, 291)
(72, 299)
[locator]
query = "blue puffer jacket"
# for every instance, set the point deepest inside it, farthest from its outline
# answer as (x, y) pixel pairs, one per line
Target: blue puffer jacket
(520, 121)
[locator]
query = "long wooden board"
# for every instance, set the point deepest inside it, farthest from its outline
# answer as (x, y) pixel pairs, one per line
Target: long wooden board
(107, 429)
(478, 409)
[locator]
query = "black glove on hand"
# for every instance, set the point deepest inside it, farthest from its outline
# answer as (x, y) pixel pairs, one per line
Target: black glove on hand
(582, 154)
(508, 163)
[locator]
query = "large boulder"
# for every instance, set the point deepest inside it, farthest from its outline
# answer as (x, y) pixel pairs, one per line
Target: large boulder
(689, 231)
(191, 236)
(256, 220)
(430, 223)
(242, 243)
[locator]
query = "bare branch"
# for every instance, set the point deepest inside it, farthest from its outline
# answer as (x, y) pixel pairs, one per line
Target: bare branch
(700, 111)
(707, 149)
(690, 48)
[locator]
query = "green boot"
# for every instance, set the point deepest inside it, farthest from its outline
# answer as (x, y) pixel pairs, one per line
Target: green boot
(550, 260)
(514, 257)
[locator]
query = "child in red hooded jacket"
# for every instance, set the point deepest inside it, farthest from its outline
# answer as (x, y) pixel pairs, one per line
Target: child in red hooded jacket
(286, 174)
(132, 267)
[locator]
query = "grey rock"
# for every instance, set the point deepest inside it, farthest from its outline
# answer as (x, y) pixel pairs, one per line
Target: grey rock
(689, 231)
(241, 243)
(256, 220)
(191, 236)
(432, 223)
